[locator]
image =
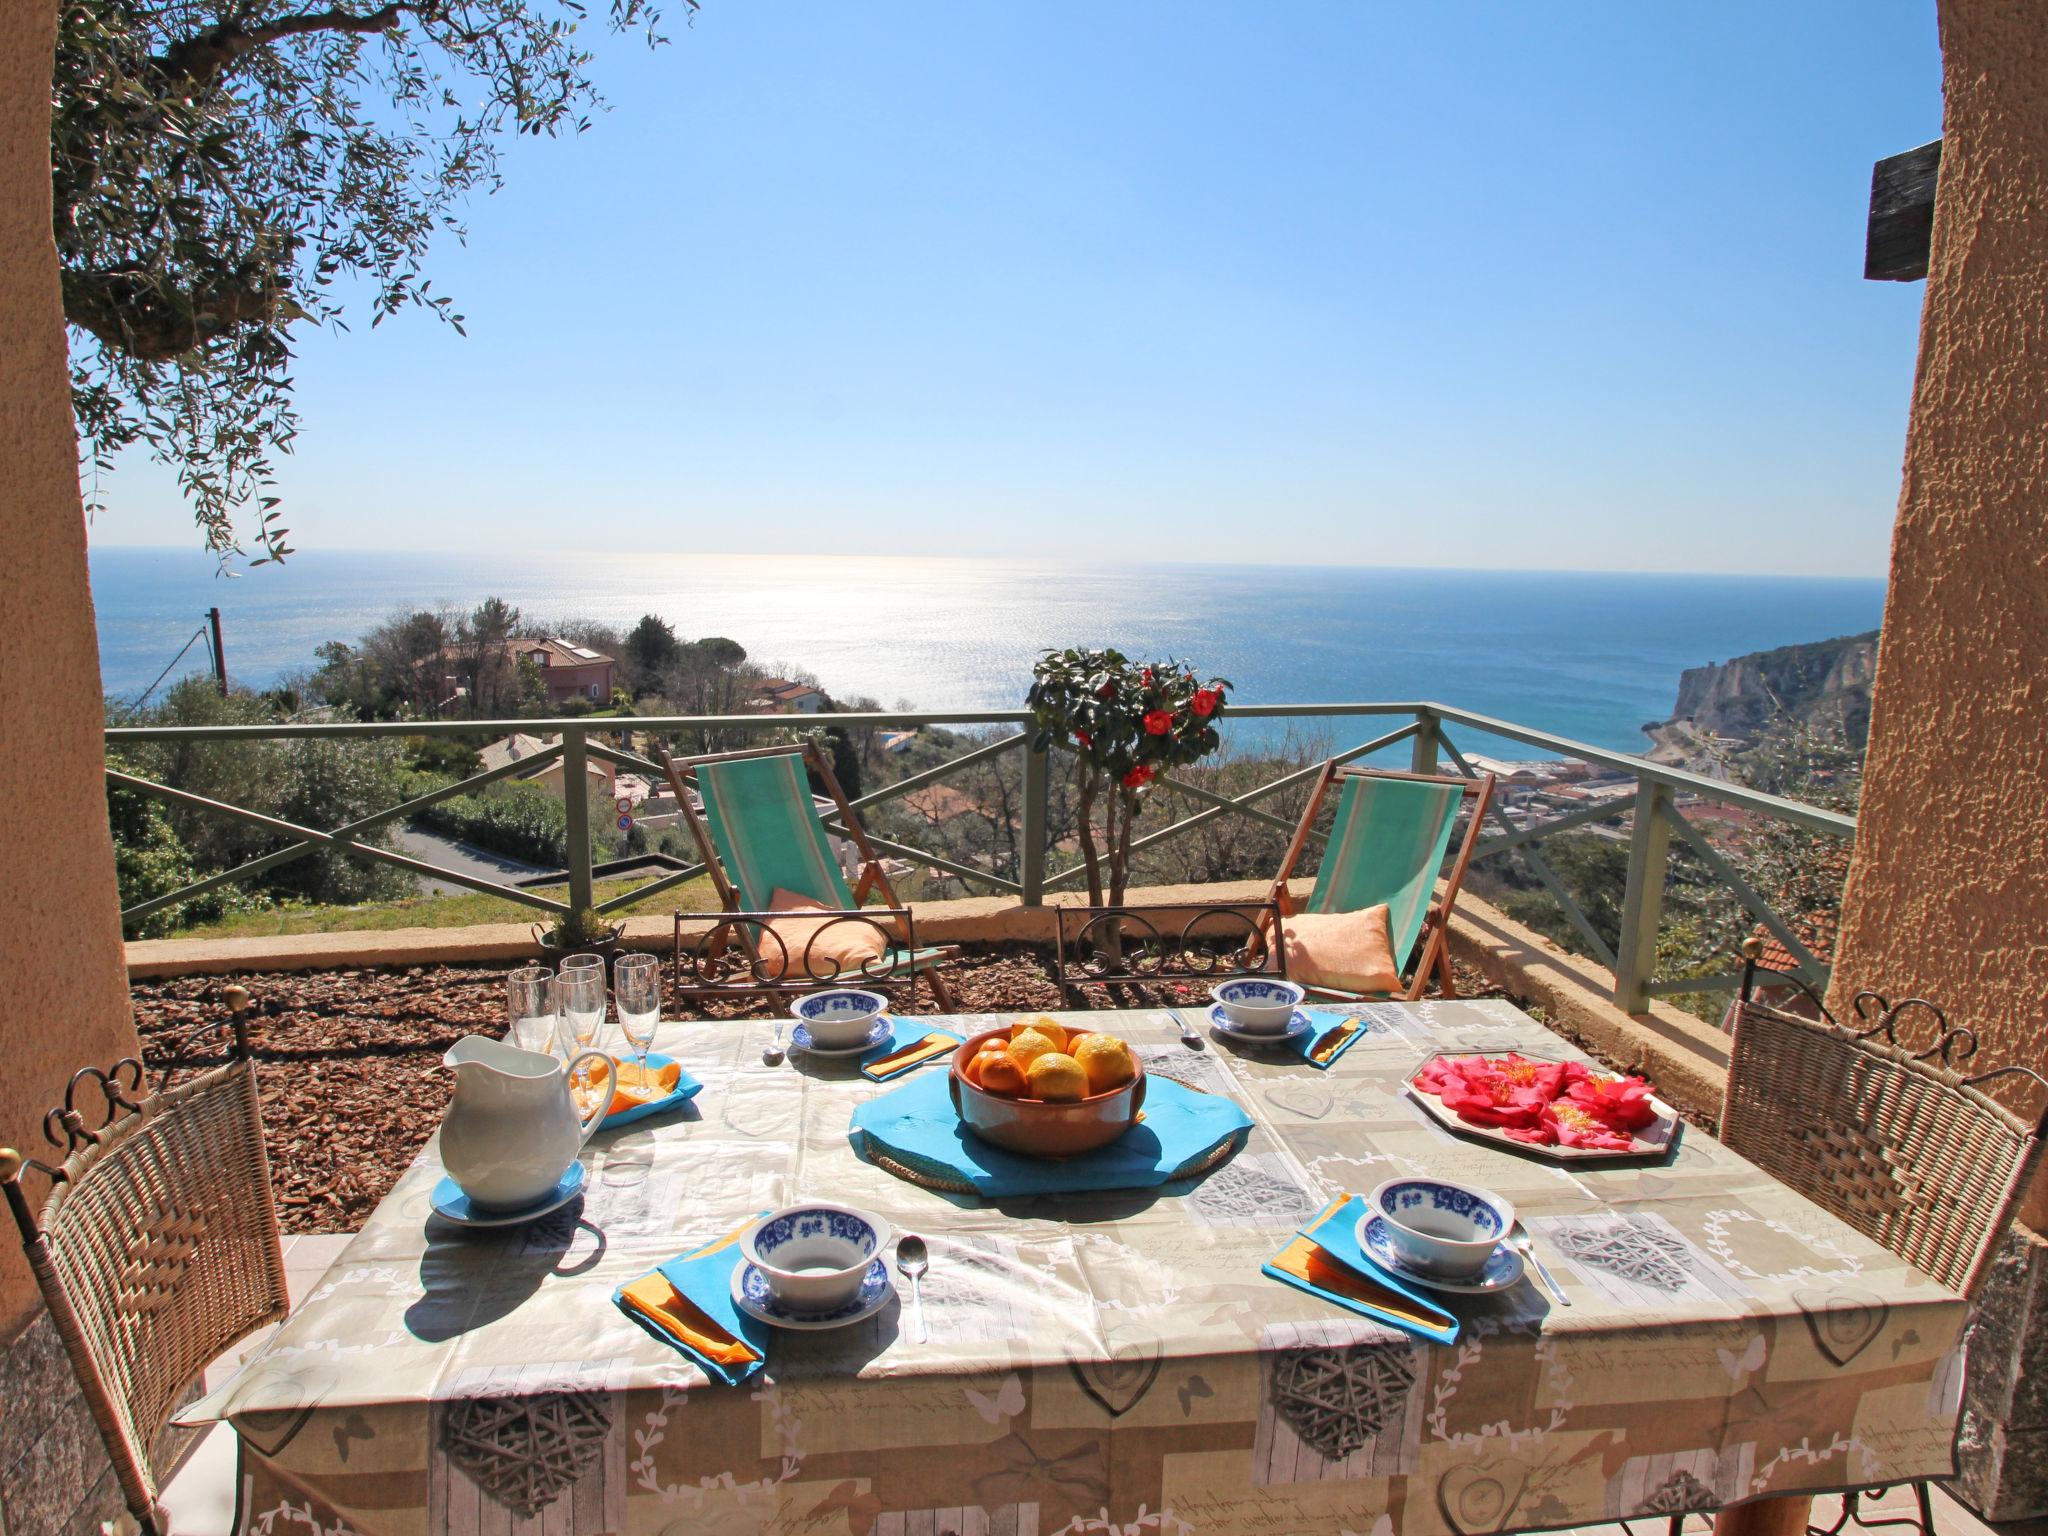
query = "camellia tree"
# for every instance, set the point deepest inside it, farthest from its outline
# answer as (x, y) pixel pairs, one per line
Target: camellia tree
(1127, 723)
(223, 170)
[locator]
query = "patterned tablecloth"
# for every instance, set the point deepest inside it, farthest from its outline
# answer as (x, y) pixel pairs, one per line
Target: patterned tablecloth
(1111, 1363)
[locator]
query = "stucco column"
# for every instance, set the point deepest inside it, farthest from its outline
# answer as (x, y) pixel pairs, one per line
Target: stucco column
(63, 982)
(1948, 890)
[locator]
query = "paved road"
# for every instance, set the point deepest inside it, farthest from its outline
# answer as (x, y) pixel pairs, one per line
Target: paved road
(446, 853)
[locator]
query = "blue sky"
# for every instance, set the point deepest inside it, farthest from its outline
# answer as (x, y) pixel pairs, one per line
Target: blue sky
(1563, 285)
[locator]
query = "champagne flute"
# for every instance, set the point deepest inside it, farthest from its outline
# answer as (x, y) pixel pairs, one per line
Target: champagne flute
(530, 1007)
(636, 988)
(580, 997)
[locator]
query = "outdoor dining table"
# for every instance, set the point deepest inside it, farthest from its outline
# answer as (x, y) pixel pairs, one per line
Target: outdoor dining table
(1109, 1362)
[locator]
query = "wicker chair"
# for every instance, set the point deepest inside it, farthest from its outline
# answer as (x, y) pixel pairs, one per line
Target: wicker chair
(157, 1246)
(1837, 1112)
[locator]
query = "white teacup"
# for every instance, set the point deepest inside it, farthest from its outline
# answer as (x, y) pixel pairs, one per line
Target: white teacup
(839, 1017)
(1438, 1227)
(1258, 1005)
(813, 1255)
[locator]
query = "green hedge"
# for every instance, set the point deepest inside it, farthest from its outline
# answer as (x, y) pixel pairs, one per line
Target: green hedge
(521, 821)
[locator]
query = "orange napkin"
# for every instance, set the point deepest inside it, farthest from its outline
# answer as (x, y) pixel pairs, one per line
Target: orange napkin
(630, 1074)
(676, 1315)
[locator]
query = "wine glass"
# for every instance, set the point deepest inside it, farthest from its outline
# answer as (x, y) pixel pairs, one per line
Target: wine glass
(530, 1007)
(579, 996)
(636, 988)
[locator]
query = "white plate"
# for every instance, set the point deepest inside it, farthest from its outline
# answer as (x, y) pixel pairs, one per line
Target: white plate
(750, 1295)
(800, 1037)
(451, 1204)
(1503, 1269)
(1223, 1024)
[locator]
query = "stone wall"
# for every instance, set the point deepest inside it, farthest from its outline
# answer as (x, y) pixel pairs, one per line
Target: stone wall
(65, 987)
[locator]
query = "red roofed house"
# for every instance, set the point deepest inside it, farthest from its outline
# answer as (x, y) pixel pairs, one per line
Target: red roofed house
(571, 671)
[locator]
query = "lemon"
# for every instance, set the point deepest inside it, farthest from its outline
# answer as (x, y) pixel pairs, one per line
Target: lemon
(1041, 1025)
(1057, 1078)
(1029, 1045)
(1107, 1061)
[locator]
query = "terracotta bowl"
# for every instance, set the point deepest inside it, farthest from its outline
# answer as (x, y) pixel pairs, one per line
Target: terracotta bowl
(1038, 1128)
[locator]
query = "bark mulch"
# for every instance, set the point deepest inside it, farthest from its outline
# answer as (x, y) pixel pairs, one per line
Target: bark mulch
(349, 1061)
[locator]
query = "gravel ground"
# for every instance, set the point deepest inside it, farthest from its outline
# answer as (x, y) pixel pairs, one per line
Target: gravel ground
(349, 1061)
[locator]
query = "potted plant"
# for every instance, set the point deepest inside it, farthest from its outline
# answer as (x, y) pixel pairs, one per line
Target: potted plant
(1128, 723)
(577, 932)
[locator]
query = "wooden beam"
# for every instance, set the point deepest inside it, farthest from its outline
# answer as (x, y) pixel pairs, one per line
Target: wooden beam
(1901, 228)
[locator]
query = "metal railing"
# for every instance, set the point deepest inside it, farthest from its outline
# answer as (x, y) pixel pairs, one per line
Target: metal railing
(1652, 810)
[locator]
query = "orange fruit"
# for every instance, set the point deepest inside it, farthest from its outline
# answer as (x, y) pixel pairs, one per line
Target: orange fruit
(1107, 1061)
(1041, 1025)
(1030, 1045)
(1057, 1078)
(999, 1074)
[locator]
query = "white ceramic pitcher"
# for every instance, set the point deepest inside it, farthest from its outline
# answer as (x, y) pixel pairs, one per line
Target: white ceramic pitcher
(512, 1131)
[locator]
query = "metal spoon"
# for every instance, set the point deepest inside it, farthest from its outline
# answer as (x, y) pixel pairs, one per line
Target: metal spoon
(1188, 1037)
(913, 1259)
(772, 1053)
(1520, 1241)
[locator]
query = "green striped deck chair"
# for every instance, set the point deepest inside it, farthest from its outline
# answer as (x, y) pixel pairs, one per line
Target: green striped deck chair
(760, 832)
(1387, 843)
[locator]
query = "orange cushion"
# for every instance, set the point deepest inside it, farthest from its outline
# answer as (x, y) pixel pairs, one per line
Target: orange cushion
(818, 947)
(1350, 951)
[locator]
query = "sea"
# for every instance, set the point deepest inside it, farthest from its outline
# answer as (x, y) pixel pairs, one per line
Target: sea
(1593, 656)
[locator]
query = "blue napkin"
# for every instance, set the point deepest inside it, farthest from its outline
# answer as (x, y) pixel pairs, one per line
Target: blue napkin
(899, 1038)
(1358, 1284)
(686, 1089)
(1321, 1023)
(703, 1277)
(917, 1122)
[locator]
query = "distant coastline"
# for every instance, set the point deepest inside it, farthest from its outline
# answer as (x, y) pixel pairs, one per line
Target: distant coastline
(1587, 655)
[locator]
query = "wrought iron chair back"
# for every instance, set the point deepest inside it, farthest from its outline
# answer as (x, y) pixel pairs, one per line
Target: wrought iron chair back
(1114, 946)
(1896, 1141)
(156, 1248)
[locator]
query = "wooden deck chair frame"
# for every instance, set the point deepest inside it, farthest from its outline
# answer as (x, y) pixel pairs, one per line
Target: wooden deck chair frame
(746, 927)
(1434, 935)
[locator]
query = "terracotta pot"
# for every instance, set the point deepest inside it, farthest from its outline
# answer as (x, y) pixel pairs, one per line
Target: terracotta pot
(1034, 1126)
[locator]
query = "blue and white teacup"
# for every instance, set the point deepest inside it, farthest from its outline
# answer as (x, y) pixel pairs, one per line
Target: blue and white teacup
(1439, 1228)
(814, 1254)
(1258, 1006)
(839, 1017)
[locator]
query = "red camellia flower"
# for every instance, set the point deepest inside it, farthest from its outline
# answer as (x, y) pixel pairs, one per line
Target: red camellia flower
(1158, 722)
(1106, 691)
(1145, 677)
(1622, 1103)
(1206, 700)
(1138, 776)
(1084, 738)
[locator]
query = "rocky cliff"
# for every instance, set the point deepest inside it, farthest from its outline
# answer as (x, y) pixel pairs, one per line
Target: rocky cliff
(1826, 683)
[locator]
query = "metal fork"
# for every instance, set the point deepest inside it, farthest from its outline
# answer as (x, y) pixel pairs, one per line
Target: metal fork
(1521, 1243)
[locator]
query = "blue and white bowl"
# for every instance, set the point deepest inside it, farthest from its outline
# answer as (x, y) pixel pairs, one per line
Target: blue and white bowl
(839, 1018)
(1258, 1006)
(1440, 1228)
(813, 1255)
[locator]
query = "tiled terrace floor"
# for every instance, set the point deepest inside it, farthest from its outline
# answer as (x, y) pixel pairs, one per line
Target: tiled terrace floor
(307, 1256)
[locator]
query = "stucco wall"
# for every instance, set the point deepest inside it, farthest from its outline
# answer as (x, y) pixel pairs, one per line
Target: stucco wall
(1948, 893)
(63, 982)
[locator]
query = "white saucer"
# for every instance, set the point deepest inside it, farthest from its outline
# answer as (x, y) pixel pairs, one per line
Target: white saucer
(1223, 1024)
(1502, 1270)
(750, 1294)
(800, 1037)
(451, 1204)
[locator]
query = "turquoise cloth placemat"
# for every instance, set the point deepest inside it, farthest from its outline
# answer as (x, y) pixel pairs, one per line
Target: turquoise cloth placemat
(917, 1121)
(705, 1277)
(902, 1034)
(1335, 1233)
(686, 1089)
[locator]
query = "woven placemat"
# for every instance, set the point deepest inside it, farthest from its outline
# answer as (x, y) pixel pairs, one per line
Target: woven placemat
(938, 1176)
